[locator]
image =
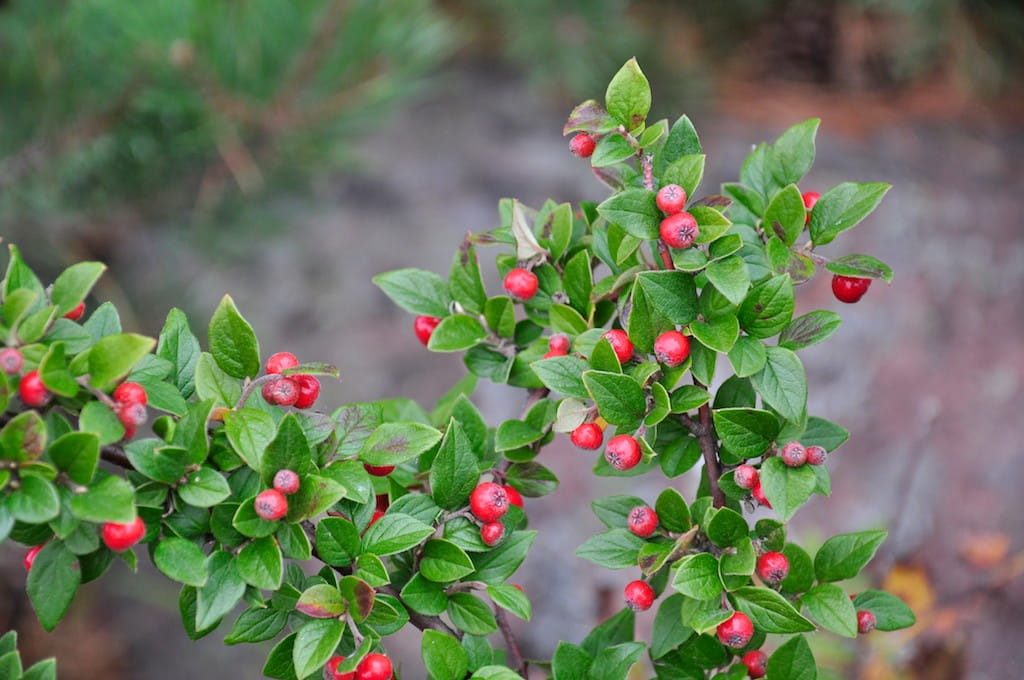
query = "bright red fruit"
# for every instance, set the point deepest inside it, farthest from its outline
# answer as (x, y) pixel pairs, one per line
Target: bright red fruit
(286, 481)
(120, 537)
(30, 557)
(642, 521)
(672, 348)
(383, 502)
(746, 476)
(849, 289)
(11, 360)
(671, 198)
(559, 343)
(489, 502)
(514, 497)
(271, 505)
(816, 455)
(32, 391)
(639, 595)
(309, 390)
(810, 198)
(866, 621)
(379, 470)
(582, 145)
(622, 452)
(76, 312)
(521, 284)
(735, 631)
(756, 662)
(130, 393)
(491, 533)
(280, 362)
(793, 454)
(758, 493)
(131, 416)
(772, 567)
(281, 392)
(553, 353)
(679, 230)
(424, 327)
(588, 436)
(374, 667)
(620, 343)
(332, 669)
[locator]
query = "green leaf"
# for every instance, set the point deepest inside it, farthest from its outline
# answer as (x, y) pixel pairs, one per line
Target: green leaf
(842, 557)
(612, 549)
(510, 598)
(671, 293)
(454, 472)
(204, 488)
(563, 374)
(395, 533)
(74, 284)
(711, 222)
(697, 577)
(113, 357)
(786, 215)
(315, 644)
(786, 488)
(769, 611)
(464, 282)
(613, 663)
(686, 171)
(257, 625)
(42, 670)
(179, 345)
(793, 152)
(77, 454)
(809, 329)
(726, 527)
(52, 583)
(443, 656)
(565, 319)
(515, 434)
(719, 334)
(456, 333)
(667, 633)
(730, 277)
(793, 661)
(337, 541)
(613, 511)
(672, 511)
(315, 495)
(35, 502)
(416, 291)
(471, 614)
(498, 564)
(740, 562)
(768, 308)
(23, 438)
(619, 628)
(423, 596)
(628, 97)
(19, 275)
(250, 432)
(890, 611)
(260, 564)
(842, 207)
(213, 383)
(862, 266)
(443, 562)
(495, 673)
(801, 569)
(224, 588)
(782, 384)
(321, 601)
(747, 356)
(831, 608)
(589, 117)
(395, 443)
(688, 398)
(279, 663)
(611, 149)
(233, 343)
(112, 499)
(570, 662)
(746, 432)
(682, 141)
(618, 397)
(635, 211)
(53, 370)
(746, 197)
(181, 560)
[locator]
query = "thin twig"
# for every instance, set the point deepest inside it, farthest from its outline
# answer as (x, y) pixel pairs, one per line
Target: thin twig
(116, 455)
(709, 449)
(510, 639)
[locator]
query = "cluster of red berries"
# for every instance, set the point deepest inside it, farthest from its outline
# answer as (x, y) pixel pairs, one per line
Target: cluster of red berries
(642, 521)
(372, 667)
(747, 477)
(299, 391)
(794, 454)
(679, 228)
(130, 401)
(271, 504)
(489, 502)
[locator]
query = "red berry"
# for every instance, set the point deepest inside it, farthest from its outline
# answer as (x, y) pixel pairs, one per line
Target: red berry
(130, 393)
(672, 348)
(489, 502)
(793, 454)
(622, 452)
(30, 557)
(282, 392)
(553, 353)
(642, 521)
(286, 481)
(810, 198)
(756, 662)
(671, 198)
(377, 514)
(374, 667)
(735, 631)
(379, 470)
(309, 390)
(514, 497)
(559, 343)
(866, 621)
(32, 391)
(76, 312)
(772, 567)
(588, 436)
(120, 537)
(131, 416)
(639, 595)
(849, 289)
(424, 327)
(332, 669)
(679, 230)
(383, 502)
(11, 360)
(492, 532)
(620, 343)
(521, 284)
(816, 455)
(758, 494)
(271, 505)
(746, 476)
(582, 145)
(281, 361)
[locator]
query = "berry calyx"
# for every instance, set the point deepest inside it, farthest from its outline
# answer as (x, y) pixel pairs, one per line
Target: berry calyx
(489, 502)
(588, 436)
(514, 497)
(76, 312)
(491, 533)
(286, 481)
(639, 595)
(756, 662)
(671, 199)
(309, 390)
(582, 145)
(11, 360)
(32, 390)
(130, 393)
(735, 631)
(671, 348)
(620, 343)
(746, 476)
(281, 392)
(679, 230)
(772, 567)
(271, 505)
(379, 470)
(280, 362)
(521, 284)
(559, 343)
(30, 557)
(866, 622)
(793, 454)
(424, 327)
(849, 289)
(374, 667)
(816, 455)
(642, 521)
(332, 669)
(120, 537)
(758, 493)
(810, 198)
(622, 452)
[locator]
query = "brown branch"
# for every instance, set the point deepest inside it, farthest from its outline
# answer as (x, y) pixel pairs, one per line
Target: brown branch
(115, 455)
(666, 255)
(510, 640)
(709, 449)
(422, 621)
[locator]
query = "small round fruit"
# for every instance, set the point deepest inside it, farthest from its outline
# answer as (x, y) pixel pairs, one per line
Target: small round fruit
(489, 502)
(642, 521)
(379, 470)
(521, 283)
(810, 198)
(424, 327)
(772, 567)
(793, 454)
(281, 392)
(309, 390)
(383, 502)
(130, 393)
(679, 230)
(271, 505)
(280, 362)
(374, 667)
(746, 476)
(588, 436)
(332, 669)
(30, 557)
(76, 312)
(120, 537)
(559, 343)
(672, 348)
(816, 455)
(620, 343)
(622, 452)
(32, 391)
(756, 662)
(758, 493)
(286, 481)
(639, 595)
(866, 622)
(131, 416)
(491, 533)
(553, 353)
(514, 497)
(849, 289)
(582, 145)
(671, 199)
(736, 631)
(11, 360)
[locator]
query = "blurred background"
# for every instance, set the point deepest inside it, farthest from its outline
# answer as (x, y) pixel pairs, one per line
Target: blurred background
(288, 151)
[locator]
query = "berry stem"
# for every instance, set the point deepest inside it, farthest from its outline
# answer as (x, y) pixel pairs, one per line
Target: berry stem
(709, 449)
(666, 255)
(510, 640)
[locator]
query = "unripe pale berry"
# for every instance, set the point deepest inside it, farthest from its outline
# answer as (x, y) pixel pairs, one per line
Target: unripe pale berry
(736, 631)
(639, 595)
(772, 567)
(76, 312)
(379, 470)
(642, 521)
(491, 533)
(793, 454)
(672, 348)
(866, 621)
(622, 452)
(374, 667)
(280, 362)
(286, 481)
(332, 669)
(810, 198)
(489, 502)
(849, 289)
(758, 493)
(130, 393)
(514, 497)
(816, 455)
(582, 145)
(30, 557)
(746, 476)
(120, 537)
(11, 360)
(281, 392)
(521, 284)
(671, 198)
(424, 327)
(559, 343)
(756, 662)
(32, 391)
(271, 505)
(309, 390)
(588, 436)
(621, 344)
(679, 230)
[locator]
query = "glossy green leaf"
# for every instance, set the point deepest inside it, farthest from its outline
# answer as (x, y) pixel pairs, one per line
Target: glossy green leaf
(842, 207)
(315, 644)
(842, 557)
(443, 561)
(697, 577)
(618, 397)
(395, 443)
(224, 588)
(786, 488)
(456, 333)
(830, 607)
(793, 152)
(768, 308)
(746, 432)
(891, 613)
(181, 560)
(628, 97)
(793, 661)
(112, 499)
(443, 656)
(862, 266)
(782, 384)
(809, 329)
(635, 211)
(416, 291)
(769, 611)
(471, 614)
(52, 583)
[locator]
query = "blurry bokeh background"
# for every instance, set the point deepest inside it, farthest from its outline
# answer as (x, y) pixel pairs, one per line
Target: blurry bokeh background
(287, 151)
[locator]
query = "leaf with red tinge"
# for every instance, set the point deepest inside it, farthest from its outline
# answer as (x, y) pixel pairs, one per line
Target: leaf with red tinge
(321, 602)
(360, 596)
